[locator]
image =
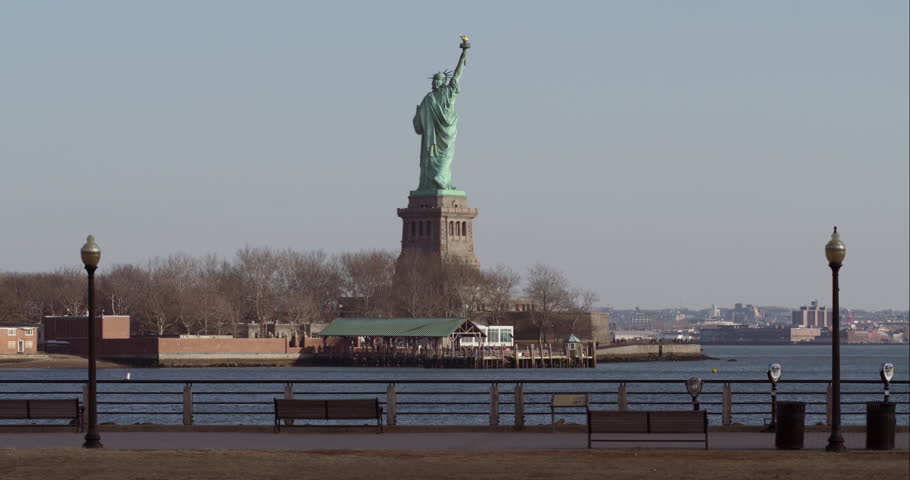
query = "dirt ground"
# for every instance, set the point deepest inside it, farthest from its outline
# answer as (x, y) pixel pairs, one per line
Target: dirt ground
(54, 360)
(349, 464)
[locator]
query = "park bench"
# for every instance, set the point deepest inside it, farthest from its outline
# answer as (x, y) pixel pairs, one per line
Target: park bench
(647, 422)
(42, 409)
(329, 409)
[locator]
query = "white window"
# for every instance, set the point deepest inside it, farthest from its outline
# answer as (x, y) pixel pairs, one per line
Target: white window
(29, 344)
(11, 332)
(29, 332)
(11, 344)
(505, 335)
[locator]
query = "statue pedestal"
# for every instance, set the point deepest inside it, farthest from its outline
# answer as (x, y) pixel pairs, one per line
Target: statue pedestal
(439, 223)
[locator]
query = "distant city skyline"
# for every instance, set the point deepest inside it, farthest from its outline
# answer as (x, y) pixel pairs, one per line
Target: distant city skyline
(658, 153)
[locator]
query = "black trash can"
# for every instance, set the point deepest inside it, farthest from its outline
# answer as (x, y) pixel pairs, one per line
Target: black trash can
(881, 423)
(791, 425)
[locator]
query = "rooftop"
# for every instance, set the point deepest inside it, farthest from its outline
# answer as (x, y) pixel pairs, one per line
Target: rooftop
(394, 327)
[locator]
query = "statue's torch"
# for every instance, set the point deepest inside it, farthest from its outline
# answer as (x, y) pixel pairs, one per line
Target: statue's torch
(465, 44)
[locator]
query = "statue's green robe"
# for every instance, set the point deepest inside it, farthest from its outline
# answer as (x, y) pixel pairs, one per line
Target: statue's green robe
(435, 122)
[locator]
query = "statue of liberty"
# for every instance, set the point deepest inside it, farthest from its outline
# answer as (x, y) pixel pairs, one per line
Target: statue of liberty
(435, 122)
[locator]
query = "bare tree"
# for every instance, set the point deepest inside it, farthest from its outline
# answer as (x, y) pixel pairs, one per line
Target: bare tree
(548, 290)
(122, 288)
(11, 305)
(499, 288)
(257, 269)
(580, 303)
(227, 302)
(418, 287)
(204, 293)
(183, 294)
(69, 289)
(157, 302)
(309, 284)
(367, 277)
(319, 277)
(224, 315)
(464, 285)
(180, 274)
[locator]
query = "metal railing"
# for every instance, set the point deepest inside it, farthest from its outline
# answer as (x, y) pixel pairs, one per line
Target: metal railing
(457, 402)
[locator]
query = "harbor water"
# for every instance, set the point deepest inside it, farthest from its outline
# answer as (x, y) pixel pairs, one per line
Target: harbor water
(442, 403)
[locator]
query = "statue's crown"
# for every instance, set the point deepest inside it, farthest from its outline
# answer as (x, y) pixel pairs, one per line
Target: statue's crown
(442, 75)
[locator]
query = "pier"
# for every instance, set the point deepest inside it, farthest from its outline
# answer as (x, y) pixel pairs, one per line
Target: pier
(529, 356)
(442, 343)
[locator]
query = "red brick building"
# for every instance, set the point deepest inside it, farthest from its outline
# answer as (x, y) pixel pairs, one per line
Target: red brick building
(113, 342)
(18, 338)
(64, 328)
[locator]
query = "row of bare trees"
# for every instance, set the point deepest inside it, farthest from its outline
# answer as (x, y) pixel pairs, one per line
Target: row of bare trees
(182, 294)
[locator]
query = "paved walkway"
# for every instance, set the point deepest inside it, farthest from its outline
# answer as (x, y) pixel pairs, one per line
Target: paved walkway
(404, 441)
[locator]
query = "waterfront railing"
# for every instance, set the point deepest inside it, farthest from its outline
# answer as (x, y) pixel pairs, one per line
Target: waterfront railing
(507, 402)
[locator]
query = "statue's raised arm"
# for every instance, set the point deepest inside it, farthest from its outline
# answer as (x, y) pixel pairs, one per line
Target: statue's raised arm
(465, 45)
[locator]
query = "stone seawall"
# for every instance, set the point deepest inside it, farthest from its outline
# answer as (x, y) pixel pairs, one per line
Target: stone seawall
(232, 359)
(650, 352)
(214, 359)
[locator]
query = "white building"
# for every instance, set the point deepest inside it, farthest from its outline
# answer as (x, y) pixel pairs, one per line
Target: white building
(497, 336)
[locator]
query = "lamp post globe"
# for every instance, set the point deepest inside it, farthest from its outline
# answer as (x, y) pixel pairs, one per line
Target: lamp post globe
(91, 255)
(835, 251)
(91, 252)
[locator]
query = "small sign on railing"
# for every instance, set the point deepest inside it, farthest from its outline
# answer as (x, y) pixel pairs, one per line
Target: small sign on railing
(570, 400)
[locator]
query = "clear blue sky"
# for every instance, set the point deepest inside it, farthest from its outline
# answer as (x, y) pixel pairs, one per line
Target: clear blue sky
(660, 153)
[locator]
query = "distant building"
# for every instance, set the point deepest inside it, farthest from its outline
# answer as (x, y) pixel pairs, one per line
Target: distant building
(811, 316)
(521, 304)
(633, 335)
(529, 327)
(714, 314)
(804, 334)
(495, 336)
(752, 335)
(113, 342)
(745, 314)
(266, 330)
(873, 336)
(640, 320)
(66, 328)
(18, 338)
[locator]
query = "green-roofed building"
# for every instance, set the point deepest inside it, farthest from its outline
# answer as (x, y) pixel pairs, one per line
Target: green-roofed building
(445, 331)
(573, 346)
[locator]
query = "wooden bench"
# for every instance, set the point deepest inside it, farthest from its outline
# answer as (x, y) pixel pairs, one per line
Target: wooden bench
(647, 422)
(42, 409)
(330, 409)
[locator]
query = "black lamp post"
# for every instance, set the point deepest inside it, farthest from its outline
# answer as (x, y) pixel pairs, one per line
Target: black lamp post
(91, 255)
(835, 251)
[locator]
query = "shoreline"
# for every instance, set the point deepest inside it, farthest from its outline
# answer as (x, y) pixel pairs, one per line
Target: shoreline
(55, 360)
(65, 361)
